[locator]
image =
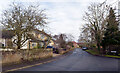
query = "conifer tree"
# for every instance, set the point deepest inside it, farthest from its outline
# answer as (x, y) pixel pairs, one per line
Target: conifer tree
(111, 36)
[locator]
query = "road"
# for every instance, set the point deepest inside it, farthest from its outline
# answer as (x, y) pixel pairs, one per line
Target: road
(79, 60)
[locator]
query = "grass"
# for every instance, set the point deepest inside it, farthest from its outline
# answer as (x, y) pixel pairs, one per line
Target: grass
(92, 52)
(96, 53)
(112, 56)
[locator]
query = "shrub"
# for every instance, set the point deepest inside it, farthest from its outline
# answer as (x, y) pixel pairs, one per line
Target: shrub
(35, 47)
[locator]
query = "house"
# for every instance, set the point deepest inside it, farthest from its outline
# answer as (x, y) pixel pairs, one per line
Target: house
(6, 38)
(51, 43)
(75, 44)
(38, 39)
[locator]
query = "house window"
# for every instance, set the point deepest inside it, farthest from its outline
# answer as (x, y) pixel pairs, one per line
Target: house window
(33, 45)
(42, 37)
(2, 45)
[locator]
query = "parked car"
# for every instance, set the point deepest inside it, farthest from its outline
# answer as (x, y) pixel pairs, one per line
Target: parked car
(64, 49)
(55, 50)
(84, 48)
(49, 47)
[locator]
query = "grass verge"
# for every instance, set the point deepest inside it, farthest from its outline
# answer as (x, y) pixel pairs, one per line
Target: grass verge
(112, 56)
(96, 53)
(92, 52)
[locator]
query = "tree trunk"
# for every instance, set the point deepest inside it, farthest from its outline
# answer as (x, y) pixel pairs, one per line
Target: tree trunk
(19, 41)
(98, 45)
(18, 47)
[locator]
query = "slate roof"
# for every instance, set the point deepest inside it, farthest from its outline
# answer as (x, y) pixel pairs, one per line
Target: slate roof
(7, 34)
(33, 39)
(42, 32)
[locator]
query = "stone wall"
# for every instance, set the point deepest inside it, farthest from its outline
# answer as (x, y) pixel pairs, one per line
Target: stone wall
(24, 55)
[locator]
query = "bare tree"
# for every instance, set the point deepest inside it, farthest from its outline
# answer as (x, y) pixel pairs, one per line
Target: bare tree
(95, 19)
(61, 40)
(22, 19)
(70, 37)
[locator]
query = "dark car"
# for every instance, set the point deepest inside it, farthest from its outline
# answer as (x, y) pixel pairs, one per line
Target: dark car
(49, 47)
(56, 50)
(84, 48)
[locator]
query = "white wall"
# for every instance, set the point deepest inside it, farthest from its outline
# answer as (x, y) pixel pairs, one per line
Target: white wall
(25, 45)
(2, 41)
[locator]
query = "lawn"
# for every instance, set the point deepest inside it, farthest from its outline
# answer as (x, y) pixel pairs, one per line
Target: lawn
(92, 52)
(112, 56)
(96, 53)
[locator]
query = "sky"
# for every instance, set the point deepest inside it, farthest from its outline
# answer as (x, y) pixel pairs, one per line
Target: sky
(64, 16)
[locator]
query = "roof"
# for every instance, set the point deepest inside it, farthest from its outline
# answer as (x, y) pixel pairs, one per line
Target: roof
(39, 31)
(53, 40)
(74, 42)
(7, 34)
(33, 39)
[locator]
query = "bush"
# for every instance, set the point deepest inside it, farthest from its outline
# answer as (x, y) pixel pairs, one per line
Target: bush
(39, 47)
(57, 51)
(93, 46)
(3, 47)
(35, 47)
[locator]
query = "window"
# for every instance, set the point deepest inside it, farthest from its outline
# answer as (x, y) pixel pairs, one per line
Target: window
(33, 45)
(42, 36)
(2, 45)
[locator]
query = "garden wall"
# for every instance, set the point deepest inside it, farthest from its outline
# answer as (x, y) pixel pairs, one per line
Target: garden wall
(10, 57)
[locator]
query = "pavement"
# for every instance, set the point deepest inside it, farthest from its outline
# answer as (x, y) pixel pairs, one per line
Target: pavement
(27, 64)
(79, 60)
(56, 55)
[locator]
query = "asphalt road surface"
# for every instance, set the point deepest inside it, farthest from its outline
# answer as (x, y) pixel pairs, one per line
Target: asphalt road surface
(79, 60)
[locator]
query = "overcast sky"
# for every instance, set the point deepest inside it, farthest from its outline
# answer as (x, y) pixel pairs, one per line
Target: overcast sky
(65, 16)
